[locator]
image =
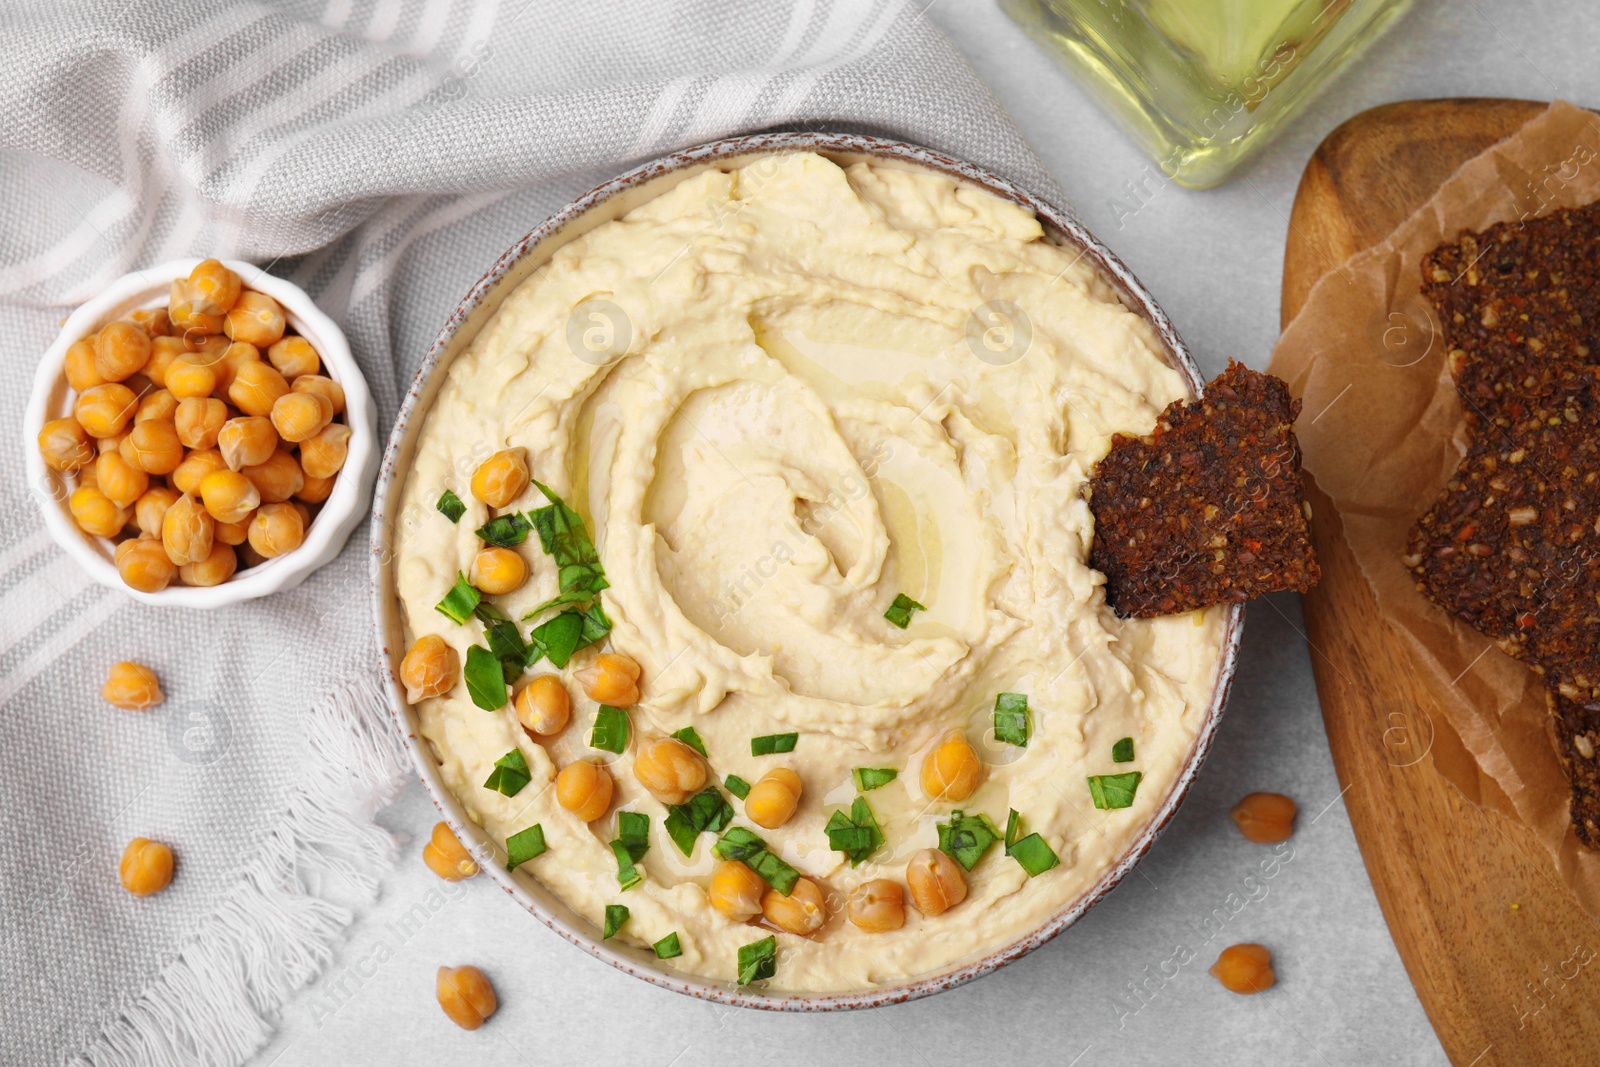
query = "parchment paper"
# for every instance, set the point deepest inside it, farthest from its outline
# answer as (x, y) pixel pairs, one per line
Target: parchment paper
(1381, 432)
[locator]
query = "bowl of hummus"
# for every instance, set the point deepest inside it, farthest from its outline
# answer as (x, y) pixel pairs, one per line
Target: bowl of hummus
(796, 429)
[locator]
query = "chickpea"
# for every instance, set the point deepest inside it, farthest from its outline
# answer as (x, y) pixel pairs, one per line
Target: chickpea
(187, 531)
(164, 352)
(543, 705)
(446, 857)
(256, 387)
(323, 455)
(802, 912)
(86, 474)
(249, 557)
(298, 416)
(229, 496)
(213, 287)
(1265, 818)
(146, 867)
(936, 882)
(294, 356)
(670, 770)
(315, 490)
(119, 480)
(319, 383)
(78, 364)
(611, 679)
(94, 512)
(429, 669)
(159, 404)
(878, 906)
(465, 995)
(143, 564)
(153, 320)
(230, 357)
(104, 410)
(207, 348)
(132, 687)
(498, 570)
(736, 891)
(1244, 969)
(120, 351)
(154, 447)
(234, 533)
(304, 512)
(247, 441)
(110, 444)
(65, 445)
(215, 569)
(278, 479)
(772, 800)
(186, 478)
(186, 314)
(501, 478)
(276, 529)
(151, 508)
(584, 789)
(256, 318)
(188, 377)
(952, 770)
(199, 420)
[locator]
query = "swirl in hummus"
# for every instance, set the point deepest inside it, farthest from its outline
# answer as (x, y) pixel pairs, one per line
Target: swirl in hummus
(812, 388)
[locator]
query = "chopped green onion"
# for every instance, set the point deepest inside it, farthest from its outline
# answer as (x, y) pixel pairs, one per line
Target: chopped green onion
(633, 830)
(705, 812)
(505, 641)
(899, 613)
(758, 960)
(459, 602)
(1013, 828)
(668, 947)
(450, 506)
(558, 638)
(616, 916)
(628, 875)
(595, 626)
(1032, 852)
(967, 837)
(742, 845)
(770, 744)
(510, 774)
(1122, 751)
(524, 845)
(678, 829)
(485, 678)
(857, 834)
(572, 596)
(689, 736)
(505, 531)
(1114, 790)
(563, 537)
(737, 786)
(869, 778)
(1011, 719)
(610, 729)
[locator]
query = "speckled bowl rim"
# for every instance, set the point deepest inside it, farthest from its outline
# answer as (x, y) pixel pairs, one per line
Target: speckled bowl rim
(1062, 227)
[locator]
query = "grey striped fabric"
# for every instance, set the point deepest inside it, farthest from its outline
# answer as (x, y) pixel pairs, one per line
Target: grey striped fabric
(380, 154)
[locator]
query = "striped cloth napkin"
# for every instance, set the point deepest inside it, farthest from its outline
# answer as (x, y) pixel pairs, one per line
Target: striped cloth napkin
(381, 154)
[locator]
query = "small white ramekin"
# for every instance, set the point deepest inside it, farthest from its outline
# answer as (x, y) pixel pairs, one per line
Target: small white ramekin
(344, 508)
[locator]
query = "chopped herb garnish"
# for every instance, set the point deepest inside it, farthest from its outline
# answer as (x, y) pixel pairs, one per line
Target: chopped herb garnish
(460, 601)
(1013, 828)
(595, 625)
(742, 845)
(505, 640)
(505, 531)
(616, 917)
(770, 744)
(1122, 751)
(689, 736)
(1114, 790)
(869, 778)
(510, 774)
(558, 638)
(524, 845)
(668, 947)
(486, 679)
(450, 506)
(628, 875)
(899, 613)
(857, 834)
(967, 837)
(737, 786)
(1011, 719)
(610, 729)
(705, 812)
(572, 596)
(633, 830)
(758, 960)
(562, 534)
(678, 829)
(1033, 852)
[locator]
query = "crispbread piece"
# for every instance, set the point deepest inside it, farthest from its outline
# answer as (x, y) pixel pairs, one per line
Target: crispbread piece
(1208, 508)
(1577, 736)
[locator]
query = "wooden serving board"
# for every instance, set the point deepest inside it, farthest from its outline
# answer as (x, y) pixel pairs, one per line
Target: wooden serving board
(1491, 940)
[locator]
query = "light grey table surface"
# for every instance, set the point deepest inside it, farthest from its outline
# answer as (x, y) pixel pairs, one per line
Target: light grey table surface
(1214, 261)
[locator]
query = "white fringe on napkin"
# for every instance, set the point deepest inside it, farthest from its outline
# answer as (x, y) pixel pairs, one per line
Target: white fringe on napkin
(212, 1003)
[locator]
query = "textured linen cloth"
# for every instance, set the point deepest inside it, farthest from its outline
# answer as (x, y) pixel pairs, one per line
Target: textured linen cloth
(381, 155)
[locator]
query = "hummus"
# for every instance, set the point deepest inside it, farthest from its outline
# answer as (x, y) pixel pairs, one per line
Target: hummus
(779, 396)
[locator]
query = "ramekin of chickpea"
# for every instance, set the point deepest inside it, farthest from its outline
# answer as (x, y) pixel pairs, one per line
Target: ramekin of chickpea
(191, 372)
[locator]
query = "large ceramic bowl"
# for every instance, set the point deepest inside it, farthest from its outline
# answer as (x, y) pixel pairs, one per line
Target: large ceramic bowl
(608, 202)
